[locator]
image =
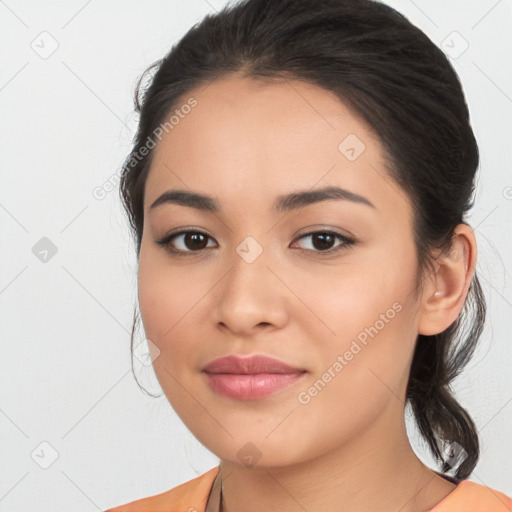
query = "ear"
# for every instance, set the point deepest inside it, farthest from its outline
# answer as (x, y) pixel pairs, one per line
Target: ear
(447, 287)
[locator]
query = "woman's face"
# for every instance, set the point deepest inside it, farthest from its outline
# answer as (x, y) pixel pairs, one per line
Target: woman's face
(257, 282)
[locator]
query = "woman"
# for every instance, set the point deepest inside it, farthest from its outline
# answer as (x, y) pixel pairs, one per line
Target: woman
(297, 190)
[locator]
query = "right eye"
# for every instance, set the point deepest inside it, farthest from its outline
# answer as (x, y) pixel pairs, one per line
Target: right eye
(194, 240)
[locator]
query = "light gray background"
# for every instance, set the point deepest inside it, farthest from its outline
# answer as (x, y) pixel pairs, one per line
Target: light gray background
(66, 125)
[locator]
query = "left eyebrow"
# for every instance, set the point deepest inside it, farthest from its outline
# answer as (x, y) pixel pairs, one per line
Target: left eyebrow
(283, 203)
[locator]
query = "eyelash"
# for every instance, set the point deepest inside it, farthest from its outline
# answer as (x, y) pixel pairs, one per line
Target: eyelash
(166, 243)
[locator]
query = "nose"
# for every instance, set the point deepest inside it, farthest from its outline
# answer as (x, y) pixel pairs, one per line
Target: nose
(251, 297)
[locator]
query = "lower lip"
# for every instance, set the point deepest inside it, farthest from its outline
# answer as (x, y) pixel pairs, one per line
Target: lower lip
(253, 386)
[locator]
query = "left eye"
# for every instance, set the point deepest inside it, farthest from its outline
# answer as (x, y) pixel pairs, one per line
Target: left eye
(321, 241)
(194, 242)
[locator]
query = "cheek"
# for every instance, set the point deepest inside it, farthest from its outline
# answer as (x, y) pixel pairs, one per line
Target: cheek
(166, 300)
(370, 312)
(174, 308)
(371, 349)
(359, 302)
(363, 368)
(165, 293)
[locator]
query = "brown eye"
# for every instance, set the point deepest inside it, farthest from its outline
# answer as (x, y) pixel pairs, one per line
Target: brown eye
(194, 241)
(185, 242)
(322, 241)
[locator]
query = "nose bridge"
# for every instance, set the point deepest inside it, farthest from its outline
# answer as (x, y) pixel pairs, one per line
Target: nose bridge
(249, 294)
(249, 266)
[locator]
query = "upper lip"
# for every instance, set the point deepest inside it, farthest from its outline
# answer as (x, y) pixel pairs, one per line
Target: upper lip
(249, 365)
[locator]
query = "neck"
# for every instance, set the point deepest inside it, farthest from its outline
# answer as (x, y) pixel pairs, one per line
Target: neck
(373, 472)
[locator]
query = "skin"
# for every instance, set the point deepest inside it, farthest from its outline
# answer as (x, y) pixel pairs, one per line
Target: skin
(347, 449)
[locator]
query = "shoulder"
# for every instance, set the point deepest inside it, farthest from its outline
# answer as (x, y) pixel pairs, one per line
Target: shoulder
(190, 496)
(474, 497)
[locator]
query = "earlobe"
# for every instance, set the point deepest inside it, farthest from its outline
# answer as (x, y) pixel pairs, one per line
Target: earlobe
(446, 291)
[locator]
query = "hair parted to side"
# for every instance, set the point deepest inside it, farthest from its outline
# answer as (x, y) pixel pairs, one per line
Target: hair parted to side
(391, 74)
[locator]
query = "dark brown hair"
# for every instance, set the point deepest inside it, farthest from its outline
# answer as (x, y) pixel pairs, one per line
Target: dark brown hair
(391, 74)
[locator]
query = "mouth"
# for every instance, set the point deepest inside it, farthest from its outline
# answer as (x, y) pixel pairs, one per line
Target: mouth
(250, 378)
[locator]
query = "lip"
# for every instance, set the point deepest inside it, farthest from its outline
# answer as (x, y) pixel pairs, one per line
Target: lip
(250, 378)
(249, 365)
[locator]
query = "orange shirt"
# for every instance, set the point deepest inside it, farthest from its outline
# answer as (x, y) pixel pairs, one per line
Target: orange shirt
(192, 496)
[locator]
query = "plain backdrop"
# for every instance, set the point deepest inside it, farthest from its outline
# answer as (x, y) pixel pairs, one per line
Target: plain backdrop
(76, 431)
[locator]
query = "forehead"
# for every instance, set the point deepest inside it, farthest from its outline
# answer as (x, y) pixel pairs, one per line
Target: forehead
(247, 138)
